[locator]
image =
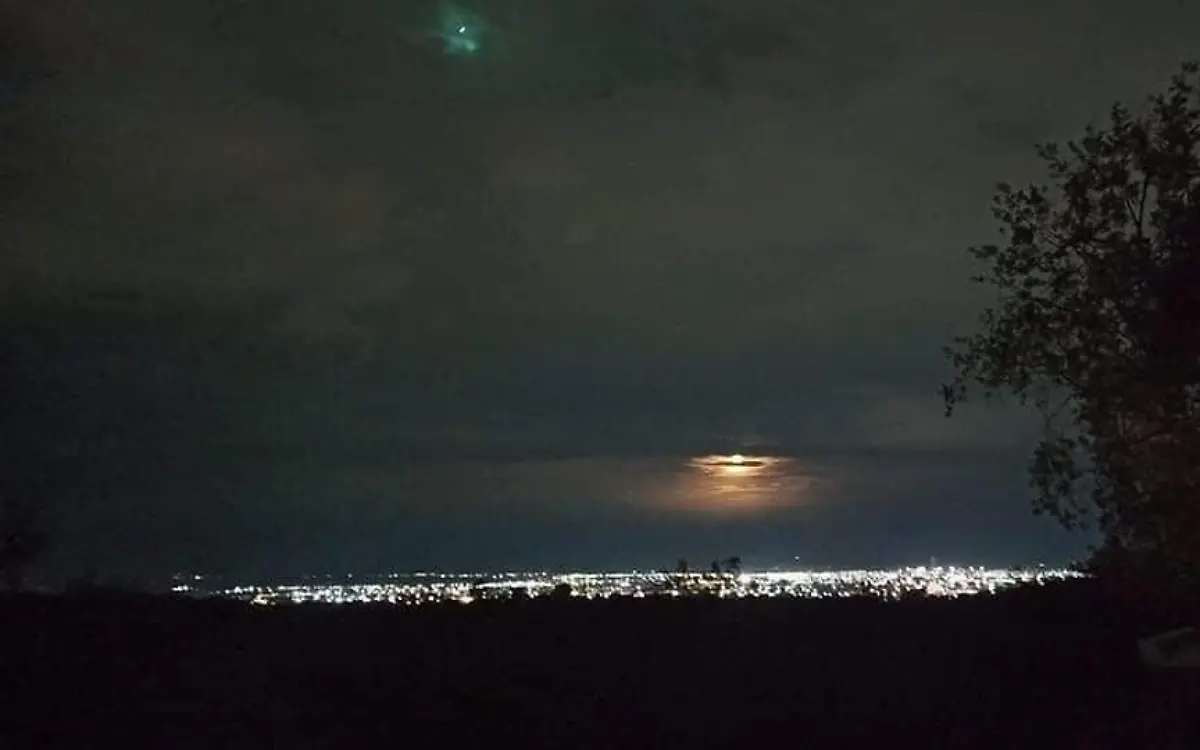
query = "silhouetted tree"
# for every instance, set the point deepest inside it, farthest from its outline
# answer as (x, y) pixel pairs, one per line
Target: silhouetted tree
(733, 565)
(21, 538)
(478, 590)
(1098, 325)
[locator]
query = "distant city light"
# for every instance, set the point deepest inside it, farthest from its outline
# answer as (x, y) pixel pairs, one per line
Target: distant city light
(466, 588)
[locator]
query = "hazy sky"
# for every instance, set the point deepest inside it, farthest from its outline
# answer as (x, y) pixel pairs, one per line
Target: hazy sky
(292, 284)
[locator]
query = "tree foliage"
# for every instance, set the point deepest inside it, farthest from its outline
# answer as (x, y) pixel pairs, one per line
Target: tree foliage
(1097, 325)
(733, 565)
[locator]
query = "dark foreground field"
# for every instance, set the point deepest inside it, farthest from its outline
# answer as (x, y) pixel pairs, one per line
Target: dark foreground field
(1038, 668)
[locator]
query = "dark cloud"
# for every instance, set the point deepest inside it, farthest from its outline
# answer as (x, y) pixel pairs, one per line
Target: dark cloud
(256, 250)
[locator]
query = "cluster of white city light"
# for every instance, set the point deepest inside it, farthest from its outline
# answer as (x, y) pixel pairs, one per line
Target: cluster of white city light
(431, 588)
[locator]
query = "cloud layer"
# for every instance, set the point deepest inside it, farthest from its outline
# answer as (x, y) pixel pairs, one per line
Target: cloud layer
(243, 237)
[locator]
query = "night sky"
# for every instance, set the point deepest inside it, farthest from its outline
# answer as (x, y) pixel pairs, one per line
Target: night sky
(305, 286)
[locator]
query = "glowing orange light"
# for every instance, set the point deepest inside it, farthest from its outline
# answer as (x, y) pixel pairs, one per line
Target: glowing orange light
(739, 482)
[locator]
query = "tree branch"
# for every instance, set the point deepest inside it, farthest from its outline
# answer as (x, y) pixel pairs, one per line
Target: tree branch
(1141, 212)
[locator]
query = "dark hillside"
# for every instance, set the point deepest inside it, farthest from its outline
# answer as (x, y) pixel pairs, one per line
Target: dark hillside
(1026, 669)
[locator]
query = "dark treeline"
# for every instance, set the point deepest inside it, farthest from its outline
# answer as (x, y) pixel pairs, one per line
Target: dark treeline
(1053, 667)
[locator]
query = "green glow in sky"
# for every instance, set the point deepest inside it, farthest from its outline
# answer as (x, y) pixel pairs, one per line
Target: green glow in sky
(460, 33)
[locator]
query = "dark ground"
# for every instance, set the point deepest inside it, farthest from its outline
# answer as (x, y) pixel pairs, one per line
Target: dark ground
(1036, 668)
